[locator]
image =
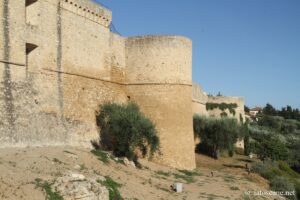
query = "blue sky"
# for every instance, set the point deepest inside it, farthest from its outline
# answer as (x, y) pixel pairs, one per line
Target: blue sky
(248, 48)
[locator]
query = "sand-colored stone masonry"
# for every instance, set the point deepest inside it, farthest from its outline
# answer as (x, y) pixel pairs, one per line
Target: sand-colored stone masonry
(200, 99)
(239, 111)
(59, 62)
(159, 77)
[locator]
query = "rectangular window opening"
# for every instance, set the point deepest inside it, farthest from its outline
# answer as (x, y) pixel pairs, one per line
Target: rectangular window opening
(30, 56)
(32, 12)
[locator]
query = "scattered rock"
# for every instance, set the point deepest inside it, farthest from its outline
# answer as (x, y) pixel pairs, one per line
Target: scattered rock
(77, 167)
(77, 186)
(132, 164)
(126, 161)
(116, 159)
(77, 177)
(71, 155)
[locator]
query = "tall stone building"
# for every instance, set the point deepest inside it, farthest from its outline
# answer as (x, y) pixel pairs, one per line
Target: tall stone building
(59, 62)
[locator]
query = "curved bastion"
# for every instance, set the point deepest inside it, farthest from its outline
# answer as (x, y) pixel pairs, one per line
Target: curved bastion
(159, 79)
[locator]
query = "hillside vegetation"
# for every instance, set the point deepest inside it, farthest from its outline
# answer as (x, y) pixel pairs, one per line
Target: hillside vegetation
(275, 139)
(273, 136)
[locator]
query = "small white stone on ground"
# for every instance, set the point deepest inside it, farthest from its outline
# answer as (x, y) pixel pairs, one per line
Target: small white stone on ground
(177, 187)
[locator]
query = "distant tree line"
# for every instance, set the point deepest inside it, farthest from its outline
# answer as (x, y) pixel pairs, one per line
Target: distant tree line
(287, 112)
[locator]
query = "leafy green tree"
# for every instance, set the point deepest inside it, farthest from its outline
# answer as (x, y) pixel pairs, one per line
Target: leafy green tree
(216, 134)
(269, 110)
(246, 109)
(124, 129)
(247, 149)
(294, 161)
(289, 113)
(269, 121)
(270, 147)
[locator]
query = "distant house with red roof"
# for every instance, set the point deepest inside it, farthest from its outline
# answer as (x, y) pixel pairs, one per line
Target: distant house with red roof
(255, 111)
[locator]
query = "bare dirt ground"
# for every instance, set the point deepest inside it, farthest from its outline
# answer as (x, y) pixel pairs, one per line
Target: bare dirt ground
(20, 167)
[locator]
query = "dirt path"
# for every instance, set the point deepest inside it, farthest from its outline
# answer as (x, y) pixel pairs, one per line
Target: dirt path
(20, 167)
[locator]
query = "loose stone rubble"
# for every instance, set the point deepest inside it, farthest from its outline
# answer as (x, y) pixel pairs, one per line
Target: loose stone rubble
(76, 186)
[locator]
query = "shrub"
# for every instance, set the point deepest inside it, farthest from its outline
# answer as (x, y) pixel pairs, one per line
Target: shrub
(272, 170)
(268, 169)
(222, 106)
(297, 188)
(50, 194)
(264, 169)
(282, 184)
(247, 150)
(223, 114)
(289, 126)
(231, 152)
(270, 121)
(124, 129)
(270, 146)
(103, 156)
(113, 188)
(287, 169)
(294, 161)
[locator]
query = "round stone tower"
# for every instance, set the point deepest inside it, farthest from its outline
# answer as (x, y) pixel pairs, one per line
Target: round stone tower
(159, 77)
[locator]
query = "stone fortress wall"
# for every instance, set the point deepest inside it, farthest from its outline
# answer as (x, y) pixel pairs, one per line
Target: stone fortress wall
(59, 62)
(200, 99)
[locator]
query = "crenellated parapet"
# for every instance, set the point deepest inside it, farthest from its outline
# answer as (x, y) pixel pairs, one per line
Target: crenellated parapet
(89, 10)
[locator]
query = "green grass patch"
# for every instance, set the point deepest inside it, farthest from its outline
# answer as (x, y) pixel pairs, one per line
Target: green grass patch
(82, 167)
(212, 197)
(187, 175)
(162, 173)
(57, 161)
(190, 173)
(112, 187)
(283, 166)
(248, 178)
(44, 185)
(246, 197)
(163, 189)
(188, 179)
(234, 188)
(229, 178)
(102, 155)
